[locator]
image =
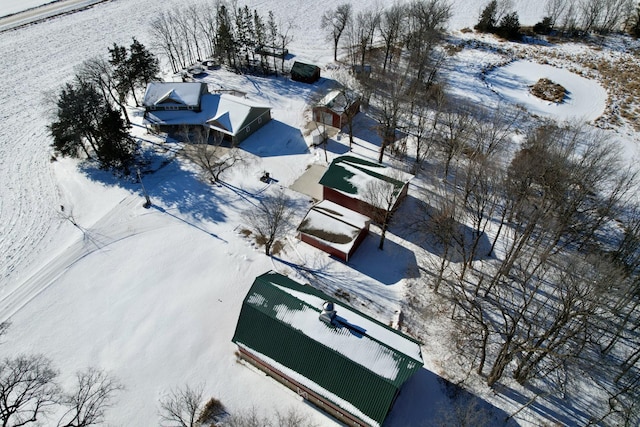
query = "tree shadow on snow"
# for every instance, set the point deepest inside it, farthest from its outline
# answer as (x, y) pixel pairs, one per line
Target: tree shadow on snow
(168, 184)
(427, 400)
(413, 222)
(387, 266)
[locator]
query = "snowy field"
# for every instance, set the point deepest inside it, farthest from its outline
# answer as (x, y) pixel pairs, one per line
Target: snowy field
(152, 295)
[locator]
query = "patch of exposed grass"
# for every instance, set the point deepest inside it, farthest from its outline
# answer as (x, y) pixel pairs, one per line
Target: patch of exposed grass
(548, 90)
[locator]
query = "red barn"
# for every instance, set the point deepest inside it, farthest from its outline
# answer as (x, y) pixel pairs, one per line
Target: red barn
(334, 229)
(349, 179)
(337, 108)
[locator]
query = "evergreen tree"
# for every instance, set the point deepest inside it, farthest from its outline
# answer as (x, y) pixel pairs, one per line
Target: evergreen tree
(143, 64)
(224, 38)
(250, 34)
(122, 73)
(487, 21)
(77, 108)
(115, 147)
(86, 123)
(509, 26)
(260, 31)
(544, 27)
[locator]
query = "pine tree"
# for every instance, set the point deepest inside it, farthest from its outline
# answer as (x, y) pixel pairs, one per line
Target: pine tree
(260, 31)
(509, 26)
(122, 73)
(143, 64)
(487, 21)
(115, 147)
(224, 38)
(86, 123)
(78, 108)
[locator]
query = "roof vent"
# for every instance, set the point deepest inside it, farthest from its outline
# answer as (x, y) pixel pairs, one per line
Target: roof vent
(328, 313)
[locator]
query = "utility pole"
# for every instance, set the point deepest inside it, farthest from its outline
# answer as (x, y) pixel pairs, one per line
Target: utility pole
(146, 204)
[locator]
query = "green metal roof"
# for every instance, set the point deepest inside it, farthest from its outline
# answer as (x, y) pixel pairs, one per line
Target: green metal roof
(305, 70)
(358, 359)
(342, 171)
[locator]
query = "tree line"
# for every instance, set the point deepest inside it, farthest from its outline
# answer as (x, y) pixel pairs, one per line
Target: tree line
(539, 255)
(220, 31)
(90, 112)
(564, 17)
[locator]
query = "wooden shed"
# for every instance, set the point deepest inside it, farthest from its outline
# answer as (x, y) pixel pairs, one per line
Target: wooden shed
(337, 108)
(334, 229)
(306, 73)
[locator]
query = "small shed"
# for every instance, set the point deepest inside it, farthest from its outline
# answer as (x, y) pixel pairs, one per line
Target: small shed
(337, 108)
(306, 73)
(347, 180)
(278, 52)
(334, 229)
(346, 363)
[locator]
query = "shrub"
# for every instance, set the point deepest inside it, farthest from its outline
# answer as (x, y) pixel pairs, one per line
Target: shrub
(212, 412)
(548, 90)
(487, 21)
(509, 26)
(544, 27)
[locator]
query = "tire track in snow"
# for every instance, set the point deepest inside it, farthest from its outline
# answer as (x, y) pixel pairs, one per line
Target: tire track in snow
(109, 230)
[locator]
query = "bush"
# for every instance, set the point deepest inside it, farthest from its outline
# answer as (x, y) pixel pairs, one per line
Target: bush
(509, 26)
(544, 27)
(487, 21)
(548, 90)
(212, 412)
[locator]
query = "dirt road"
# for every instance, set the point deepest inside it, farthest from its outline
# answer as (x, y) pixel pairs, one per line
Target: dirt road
(43, 12)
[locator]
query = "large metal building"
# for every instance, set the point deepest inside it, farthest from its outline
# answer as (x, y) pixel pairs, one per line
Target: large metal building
(346, 363)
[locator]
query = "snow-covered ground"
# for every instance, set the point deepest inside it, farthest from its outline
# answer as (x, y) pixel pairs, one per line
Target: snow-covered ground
(585, 99)
(91, 278)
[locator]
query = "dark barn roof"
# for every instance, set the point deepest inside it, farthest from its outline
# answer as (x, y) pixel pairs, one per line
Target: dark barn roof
(306, 73)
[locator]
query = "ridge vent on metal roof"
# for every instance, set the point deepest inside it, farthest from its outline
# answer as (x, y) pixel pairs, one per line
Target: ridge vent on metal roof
(328, 314)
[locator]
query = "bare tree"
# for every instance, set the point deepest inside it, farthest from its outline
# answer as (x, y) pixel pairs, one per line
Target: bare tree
(455, 128)
(251, 418)
(361, 32)
(555, 10)
(92, 396)
(383, 195)
(335, 22)
(426, 21)
(270, 218)
(284, 38)
(391, 30)
(27, 389)
(388, 105)
(99, 72)
(182, 406)
(213, 159)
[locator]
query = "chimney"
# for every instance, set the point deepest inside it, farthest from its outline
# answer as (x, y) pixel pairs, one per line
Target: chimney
(328, 313)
